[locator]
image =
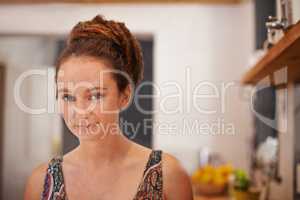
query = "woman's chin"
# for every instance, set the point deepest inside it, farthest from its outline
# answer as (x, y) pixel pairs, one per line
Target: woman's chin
(86, 133)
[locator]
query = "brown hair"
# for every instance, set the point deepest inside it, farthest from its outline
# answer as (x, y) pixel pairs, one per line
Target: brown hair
(109, 40)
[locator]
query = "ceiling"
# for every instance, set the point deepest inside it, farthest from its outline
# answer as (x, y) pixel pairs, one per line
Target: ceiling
(121, 1)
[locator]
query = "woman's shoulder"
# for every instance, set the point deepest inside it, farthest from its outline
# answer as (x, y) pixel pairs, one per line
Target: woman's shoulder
(176, 180)
(171, 164)
(34, 184)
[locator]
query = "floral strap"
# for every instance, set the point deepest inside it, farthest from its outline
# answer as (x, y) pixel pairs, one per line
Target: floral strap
(54, 183)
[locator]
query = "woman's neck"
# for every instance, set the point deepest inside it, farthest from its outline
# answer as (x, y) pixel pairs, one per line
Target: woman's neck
(103, 151)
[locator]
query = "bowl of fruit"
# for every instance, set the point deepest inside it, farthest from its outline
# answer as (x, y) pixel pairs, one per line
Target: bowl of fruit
(211, 180)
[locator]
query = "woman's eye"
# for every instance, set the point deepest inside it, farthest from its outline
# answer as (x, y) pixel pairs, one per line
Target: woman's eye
(67, 97)
(96, 96)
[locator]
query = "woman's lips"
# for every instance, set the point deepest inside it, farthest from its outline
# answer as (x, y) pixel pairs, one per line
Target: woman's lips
(86, 126)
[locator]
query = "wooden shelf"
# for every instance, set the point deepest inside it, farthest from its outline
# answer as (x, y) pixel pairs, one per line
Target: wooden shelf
(286, 53)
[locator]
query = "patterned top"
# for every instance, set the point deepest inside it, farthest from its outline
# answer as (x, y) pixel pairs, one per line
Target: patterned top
(150, 188)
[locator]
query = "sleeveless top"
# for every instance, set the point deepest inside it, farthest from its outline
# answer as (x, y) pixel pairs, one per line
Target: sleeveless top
(150, 188)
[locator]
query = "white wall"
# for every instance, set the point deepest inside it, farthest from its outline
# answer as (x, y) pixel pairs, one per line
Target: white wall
(27, 138)
(296, 10)
(214, 42)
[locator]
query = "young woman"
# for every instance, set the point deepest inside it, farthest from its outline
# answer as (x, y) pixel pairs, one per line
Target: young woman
(95, 72)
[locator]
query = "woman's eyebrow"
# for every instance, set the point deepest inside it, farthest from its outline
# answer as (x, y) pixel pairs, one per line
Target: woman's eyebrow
(98, 88)
(92, 89)
(63, 90)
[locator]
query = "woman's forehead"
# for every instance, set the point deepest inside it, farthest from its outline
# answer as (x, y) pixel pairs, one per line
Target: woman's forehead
(86, 80)
(81, 84)
(84, 68)
(84, 72)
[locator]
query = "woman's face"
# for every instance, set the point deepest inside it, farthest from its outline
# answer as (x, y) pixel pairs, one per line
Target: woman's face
(88, 97)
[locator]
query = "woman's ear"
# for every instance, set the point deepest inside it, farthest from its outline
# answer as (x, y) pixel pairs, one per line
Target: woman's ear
(126, 98)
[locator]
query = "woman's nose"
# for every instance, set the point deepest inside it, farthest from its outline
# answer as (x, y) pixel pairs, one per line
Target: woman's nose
(82, 105)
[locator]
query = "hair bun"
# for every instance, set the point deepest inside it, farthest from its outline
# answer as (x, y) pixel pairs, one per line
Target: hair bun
(99, 19)
(99, 37)
(98, 27)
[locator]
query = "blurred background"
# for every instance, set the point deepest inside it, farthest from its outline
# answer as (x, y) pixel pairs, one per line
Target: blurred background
(188, 42)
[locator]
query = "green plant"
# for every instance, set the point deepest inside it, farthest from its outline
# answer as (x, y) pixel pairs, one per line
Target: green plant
(241, 180)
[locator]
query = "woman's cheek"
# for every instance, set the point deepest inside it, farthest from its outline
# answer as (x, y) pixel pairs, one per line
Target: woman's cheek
(66, 112)
(110, 105)
(62, 106)
(104, 114)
